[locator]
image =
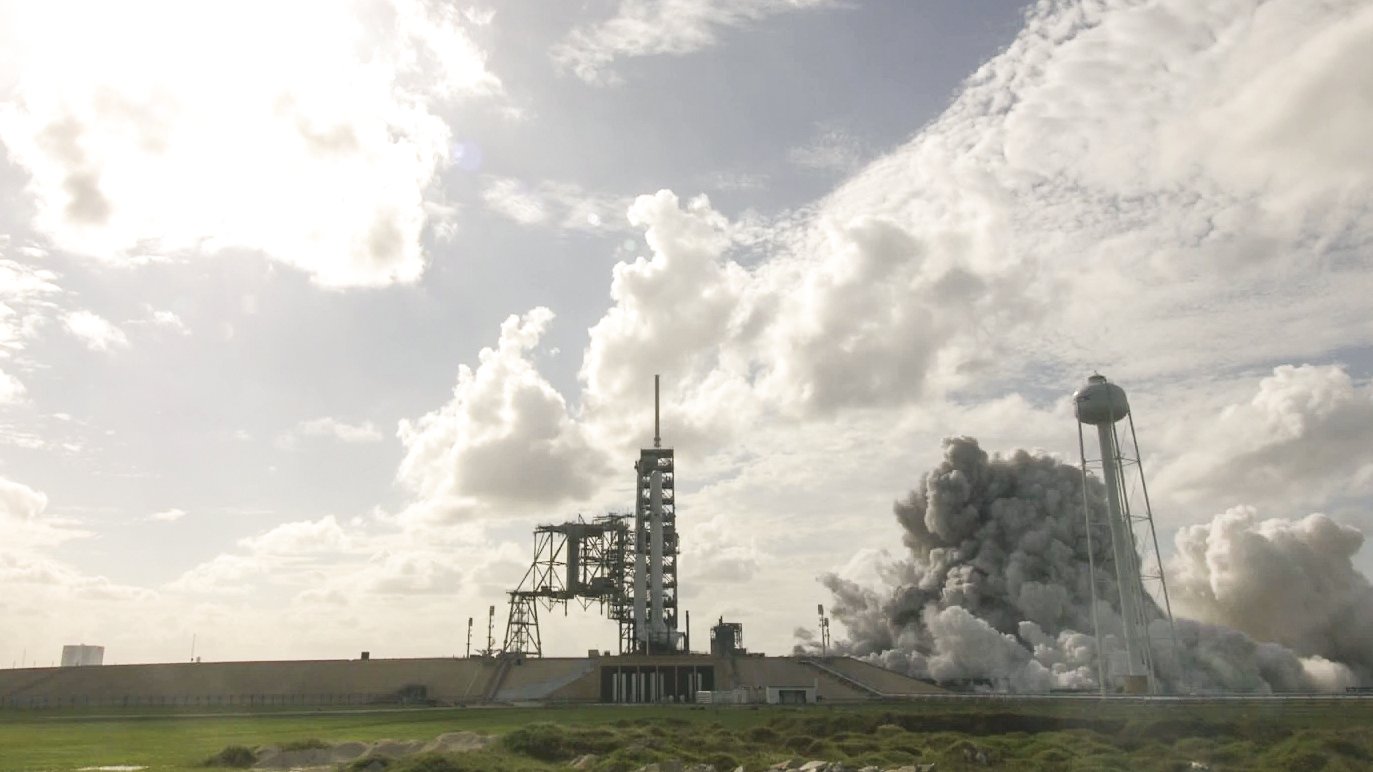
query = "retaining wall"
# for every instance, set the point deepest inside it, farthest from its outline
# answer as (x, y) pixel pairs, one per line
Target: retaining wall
(309, 682)
(343, 682)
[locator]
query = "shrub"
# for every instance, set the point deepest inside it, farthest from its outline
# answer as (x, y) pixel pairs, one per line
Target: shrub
(1306, 761)
(554, 742)
(430, 762)
(633, 757)
(239, 756)
(765, 735)
(722, 761)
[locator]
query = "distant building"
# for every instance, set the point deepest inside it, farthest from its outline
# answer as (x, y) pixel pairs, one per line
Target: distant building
(82, 655)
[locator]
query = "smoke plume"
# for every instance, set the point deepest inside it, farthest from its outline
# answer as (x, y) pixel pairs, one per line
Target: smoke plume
(996, 590)
(1290, 582)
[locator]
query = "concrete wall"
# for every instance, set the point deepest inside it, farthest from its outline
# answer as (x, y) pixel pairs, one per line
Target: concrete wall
(247, 683)
(881, 679)
(757, 673)
(540, 679)
(326, 682)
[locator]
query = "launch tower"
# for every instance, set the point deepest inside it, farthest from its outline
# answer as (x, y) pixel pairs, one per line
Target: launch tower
(628, 566)
(655, 550)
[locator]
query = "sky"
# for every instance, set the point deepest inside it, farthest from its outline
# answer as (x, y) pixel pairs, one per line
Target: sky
(309, 313)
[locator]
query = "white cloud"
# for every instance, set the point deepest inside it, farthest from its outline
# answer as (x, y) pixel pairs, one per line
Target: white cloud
(865, 316)
(39, 582)
(1043, 226)
(411, 573)
(167, 320)
(561, 204)
(222, 575)
(479, 16)
(504, 443)
(26, 303)
(300, 538)
(167, 515)
(320, 150)
(737, 181)
(657, 325)
(1301, 439)
(510, 198)
(830, 150)
(287, 555)
(11, 389)
(329, 427)
(661, 27)
(20, 502)
(95, 331)
(716, 553)
(53, 579)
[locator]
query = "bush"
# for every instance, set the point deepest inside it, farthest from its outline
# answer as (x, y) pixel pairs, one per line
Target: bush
(239, 756)
(554, 742)
(1306, 761)
(765, 735)
(430, 762)
(633, 757)
(472, 761)
(722, 761)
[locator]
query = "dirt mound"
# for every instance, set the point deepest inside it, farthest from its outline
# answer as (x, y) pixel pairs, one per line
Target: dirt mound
(329, 756)
(456, 742)
(272, 757)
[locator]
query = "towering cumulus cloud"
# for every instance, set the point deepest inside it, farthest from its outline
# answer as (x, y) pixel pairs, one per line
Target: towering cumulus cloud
(996, 588)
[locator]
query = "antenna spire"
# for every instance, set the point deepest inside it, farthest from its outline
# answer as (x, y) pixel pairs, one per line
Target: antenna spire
(657, 436)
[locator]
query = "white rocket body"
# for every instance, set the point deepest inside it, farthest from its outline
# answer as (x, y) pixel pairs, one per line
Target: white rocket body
(657, 623)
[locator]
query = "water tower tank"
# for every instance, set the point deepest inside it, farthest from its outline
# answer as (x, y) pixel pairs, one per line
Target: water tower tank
(1100, 402)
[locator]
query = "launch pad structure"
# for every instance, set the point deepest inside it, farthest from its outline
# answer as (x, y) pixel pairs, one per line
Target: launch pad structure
(624, 563)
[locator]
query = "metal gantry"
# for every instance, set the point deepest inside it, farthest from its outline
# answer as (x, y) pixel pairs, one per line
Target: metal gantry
(578, 561)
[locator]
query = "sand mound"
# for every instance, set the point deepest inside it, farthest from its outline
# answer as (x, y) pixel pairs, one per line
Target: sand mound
(456, 742)
(275, 758)
(271, 757)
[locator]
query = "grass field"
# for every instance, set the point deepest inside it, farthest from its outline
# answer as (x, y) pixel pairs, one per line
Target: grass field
(1031, 735)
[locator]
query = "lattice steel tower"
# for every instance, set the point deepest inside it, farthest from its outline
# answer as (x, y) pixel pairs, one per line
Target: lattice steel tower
(655, 547)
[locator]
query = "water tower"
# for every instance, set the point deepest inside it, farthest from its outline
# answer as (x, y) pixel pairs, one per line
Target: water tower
(1134, 544)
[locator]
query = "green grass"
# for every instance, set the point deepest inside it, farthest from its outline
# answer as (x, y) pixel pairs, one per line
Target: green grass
(1029, 735)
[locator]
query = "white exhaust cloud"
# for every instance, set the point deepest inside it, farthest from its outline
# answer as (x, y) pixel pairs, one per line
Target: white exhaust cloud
(1292, 582)
(996, 588)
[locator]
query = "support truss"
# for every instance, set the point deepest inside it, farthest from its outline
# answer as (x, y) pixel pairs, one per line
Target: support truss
(579, 561)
